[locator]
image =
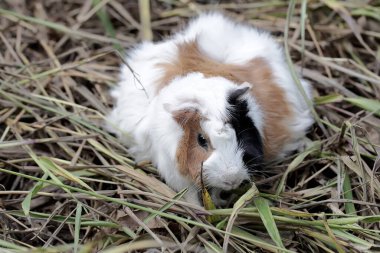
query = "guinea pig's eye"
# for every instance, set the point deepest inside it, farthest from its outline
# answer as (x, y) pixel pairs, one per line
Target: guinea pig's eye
(202, 141)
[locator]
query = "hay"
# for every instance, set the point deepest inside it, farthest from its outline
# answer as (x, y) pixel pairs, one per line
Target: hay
(66, 185)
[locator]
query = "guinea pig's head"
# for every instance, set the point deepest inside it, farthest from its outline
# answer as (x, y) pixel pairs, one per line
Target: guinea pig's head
(227, 149)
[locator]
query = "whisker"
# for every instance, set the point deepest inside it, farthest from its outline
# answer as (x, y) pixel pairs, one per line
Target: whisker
(255, 158)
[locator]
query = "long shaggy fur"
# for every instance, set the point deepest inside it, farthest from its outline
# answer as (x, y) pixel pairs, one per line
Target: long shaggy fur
(158, 83)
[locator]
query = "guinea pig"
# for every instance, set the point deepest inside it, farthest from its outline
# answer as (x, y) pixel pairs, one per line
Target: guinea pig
(217, 96)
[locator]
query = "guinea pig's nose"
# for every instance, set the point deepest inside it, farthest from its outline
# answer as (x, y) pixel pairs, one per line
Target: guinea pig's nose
(224, 195)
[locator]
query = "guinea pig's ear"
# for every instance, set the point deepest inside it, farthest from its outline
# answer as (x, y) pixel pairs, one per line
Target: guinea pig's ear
(239, 92)
(183, 113)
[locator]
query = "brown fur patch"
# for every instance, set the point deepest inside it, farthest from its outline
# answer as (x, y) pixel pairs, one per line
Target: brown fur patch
(276, 110)
(190, 155)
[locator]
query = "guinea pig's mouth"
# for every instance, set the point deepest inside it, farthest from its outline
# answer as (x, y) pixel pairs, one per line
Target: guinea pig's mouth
(224, 181)
(225, 198)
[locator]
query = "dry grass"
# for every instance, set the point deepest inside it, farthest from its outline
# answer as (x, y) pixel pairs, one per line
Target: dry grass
(66, 185)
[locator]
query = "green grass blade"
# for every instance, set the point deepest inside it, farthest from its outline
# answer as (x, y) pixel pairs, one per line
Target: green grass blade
(334, 240)
(212, 247)
(163, 208)
(367, 104)
(107, 24)
(59, 27)
(360, 243)
(78, 216)
(46, 167)
(36, 188)
(347, 194)
(295, 163)
(64, 173)
(87, 248)
(290, 63)
(9, 245)
(255, 240)
(266, 216)
(134, 246)
(371, 12)
(321, 237)
(239, 204)
(303, 24)
(331, 98)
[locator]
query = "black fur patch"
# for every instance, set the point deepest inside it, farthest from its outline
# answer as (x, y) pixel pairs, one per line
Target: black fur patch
(247, 134)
